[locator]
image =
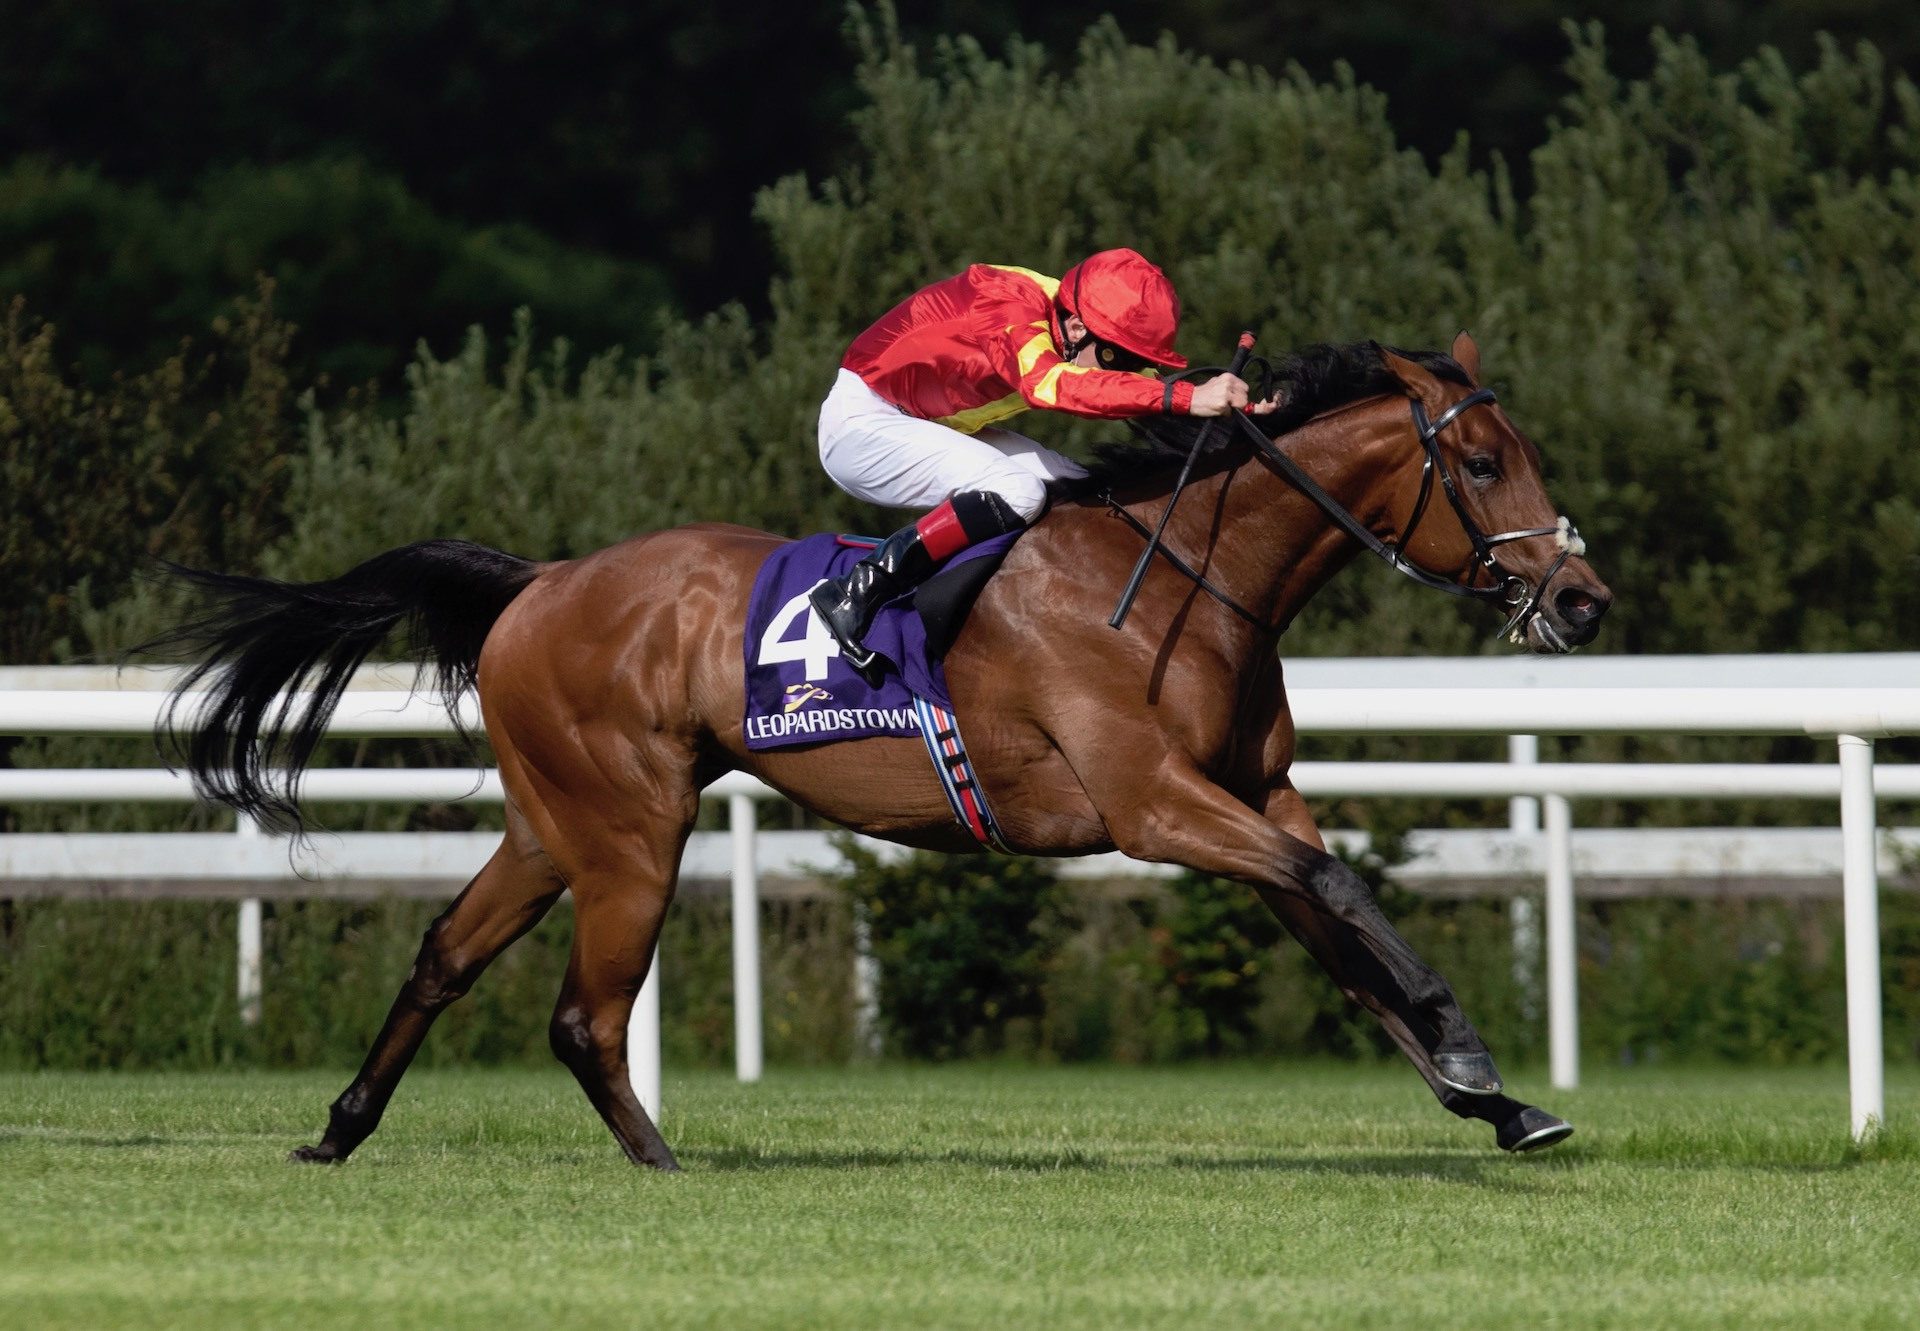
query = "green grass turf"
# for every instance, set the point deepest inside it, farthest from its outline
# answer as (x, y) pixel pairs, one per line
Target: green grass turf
(958, 1197)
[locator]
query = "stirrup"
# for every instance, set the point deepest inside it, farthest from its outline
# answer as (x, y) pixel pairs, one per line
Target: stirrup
(866, 663)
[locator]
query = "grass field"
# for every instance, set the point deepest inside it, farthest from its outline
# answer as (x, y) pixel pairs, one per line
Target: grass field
(958, 1197)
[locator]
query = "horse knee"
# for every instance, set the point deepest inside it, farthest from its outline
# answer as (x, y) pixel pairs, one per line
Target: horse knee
(1336, 887)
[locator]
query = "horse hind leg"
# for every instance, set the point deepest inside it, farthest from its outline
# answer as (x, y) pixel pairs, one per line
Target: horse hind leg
(620, 852)
(616, 925)
(505, 899)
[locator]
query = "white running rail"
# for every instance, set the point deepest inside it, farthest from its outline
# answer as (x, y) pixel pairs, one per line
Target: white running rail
(1852, 700)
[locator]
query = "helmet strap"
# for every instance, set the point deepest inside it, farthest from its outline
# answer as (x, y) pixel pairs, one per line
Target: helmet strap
(1071, 347)
(1074, 348)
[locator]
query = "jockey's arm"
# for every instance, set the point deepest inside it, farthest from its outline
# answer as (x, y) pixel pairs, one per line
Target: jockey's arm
(1052, 384)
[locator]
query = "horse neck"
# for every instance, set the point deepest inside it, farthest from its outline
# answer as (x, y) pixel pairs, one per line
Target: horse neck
(1271, 547)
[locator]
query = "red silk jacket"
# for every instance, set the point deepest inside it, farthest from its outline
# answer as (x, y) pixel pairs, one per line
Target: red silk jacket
(978, 348)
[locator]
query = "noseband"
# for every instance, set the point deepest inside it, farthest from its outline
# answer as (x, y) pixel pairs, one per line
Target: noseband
(1513, 591)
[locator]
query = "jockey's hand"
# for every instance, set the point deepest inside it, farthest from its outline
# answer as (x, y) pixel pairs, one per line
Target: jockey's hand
(1224, 393)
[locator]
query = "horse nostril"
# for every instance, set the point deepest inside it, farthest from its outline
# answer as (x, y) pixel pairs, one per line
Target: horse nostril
(1579, 606)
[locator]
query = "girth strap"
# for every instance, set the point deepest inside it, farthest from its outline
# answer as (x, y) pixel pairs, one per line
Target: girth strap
(941, 730)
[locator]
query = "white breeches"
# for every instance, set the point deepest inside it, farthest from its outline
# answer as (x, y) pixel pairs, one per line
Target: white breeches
(876, 452)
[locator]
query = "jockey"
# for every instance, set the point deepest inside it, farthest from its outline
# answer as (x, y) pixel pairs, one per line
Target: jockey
(913, 419)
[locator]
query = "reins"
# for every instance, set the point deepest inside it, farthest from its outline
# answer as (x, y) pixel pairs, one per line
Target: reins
(1510, 589)
(1200, 442)
(1192, 574)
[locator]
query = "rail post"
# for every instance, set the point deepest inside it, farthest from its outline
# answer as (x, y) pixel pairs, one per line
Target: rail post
(1860, 888)
(1563, 981)
(866, 989)
(248, 983)
(1523, 819)
(748, 1051)
(643, 1041)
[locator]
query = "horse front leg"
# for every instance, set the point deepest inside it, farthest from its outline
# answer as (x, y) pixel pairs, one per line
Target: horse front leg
(1517, 1126)
(1179, 816)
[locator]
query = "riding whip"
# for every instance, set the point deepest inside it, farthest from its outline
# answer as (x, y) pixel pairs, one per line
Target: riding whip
(1200, 441)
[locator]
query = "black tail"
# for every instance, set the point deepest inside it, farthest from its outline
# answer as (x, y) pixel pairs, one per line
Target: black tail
(261, 642)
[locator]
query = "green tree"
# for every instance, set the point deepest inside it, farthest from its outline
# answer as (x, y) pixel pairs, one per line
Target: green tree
(1701, 312)
(187, 461)
(364, 266)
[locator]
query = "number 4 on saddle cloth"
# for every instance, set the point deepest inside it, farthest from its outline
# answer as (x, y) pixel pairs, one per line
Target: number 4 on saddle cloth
(799, 691)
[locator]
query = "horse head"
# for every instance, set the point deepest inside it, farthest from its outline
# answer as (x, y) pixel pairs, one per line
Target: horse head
(1477, 511)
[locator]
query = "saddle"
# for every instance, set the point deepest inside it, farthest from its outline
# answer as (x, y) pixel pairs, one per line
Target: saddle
(944, 600)
(800, 691)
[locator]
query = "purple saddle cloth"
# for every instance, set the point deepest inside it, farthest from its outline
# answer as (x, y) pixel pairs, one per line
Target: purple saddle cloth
(799, 690)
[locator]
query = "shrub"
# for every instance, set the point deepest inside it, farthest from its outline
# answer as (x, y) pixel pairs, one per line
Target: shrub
(131, 985)
(960, 941)
(1205, 955)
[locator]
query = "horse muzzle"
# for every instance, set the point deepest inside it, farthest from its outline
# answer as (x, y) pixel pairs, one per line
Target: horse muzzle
(1567, 619)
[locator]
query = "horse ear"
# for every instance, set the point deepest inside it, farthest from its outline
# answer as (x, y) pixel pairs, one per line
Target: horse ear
(1413, 376)
(1466, 354)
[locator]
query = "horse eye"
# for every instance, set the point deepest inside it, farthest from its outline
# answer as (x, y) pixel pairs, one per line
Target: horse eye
(1482, 468)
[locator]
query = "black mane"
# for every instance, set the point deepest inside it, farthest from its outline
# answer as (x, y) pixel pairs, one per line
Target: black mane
(1310, 381)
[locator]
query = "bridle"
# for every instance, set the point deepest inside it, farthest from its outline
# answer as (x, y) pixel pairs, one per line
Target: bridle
(1513, 591)
(1509, 588)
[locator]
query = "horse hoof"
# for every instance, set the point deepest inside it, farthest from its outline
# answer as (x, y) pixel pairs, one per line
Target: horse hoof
(322, 1154)
(1469, 1074)
(1533, 1129)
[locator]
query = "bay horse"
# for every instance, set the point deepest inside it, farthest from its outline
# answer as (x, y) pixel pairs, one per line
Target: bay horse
(611, 688)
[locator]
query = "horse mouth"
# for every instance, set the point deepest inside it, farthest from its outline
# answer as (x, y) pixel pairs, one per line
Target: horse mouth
(1568, 621)
(1543, 639)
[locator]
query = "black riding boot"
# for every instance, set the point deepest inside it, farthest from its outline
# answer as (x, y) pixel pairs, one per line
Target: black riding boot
(848, 604)
(902, 562)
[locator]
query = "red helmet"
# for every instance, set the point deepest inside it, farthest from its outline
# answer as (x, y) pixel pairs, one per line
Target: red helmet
(1127, 301)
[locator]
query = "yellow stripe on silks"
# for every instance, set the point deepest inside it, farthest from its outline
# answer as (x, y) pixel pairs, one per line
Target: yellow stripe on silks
(1050, 285)
(978, 418)
(1048, 389)
(1034, 348)
(974, 419)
